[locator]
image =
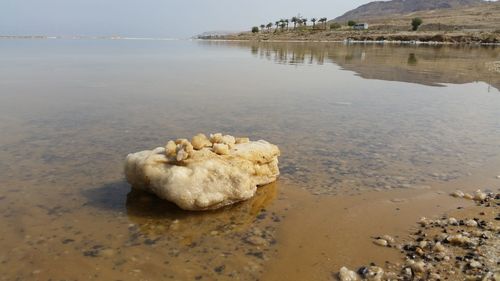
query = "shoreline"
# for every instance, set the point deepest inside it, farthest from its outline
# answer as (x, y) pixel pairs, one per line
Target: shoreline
(459, 37)
(381, 42)
(339, 231)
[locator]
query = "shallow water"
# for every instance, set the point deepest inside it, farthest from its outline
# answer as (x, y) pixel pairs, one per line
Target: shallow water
(348, 119)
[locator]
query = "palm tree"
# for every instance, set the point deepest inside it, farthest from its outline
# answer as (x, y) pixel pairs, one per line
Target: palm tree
(282, 25)
(295, 20)
(287, 22)
(277, 23)
(323, 20)
(269, 25)
(304, 21)
(262, 27)
(314, 22)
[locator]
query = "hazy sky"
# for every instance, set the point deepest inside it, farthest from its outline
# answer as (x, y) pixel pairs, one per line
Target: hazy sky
(155, 18)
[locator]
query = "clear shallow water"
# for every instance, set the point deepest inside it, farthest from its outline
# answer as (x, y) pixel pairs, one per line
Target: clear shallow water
(347, 118)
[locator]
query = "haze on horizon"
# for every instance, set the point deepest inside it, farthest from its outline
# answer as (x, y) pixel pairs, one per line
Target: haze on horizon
(154, 18)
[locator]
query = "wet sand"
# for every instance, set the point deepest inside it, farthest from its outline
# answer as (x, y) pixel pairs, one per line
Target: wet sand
(322, 234)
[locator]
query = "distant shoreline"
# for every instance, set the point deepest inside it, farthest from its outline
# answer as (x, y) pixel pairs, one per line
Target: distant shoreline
(484, 38)
(47, 37)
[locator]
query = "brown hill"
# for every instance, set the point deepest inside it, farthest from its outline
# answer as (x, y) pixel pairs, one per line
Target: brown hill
(380, 9)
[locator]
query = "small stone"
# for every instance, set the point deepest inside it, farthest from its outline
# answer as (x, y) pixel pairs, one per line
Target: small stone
(452, 221)
(375, 273)
(221, 148)
(419, 252)
(347, 275)
(498, 177)
(458, 194)
(475, 264)
(423, 221)
(479, 195)
(439, 248)
(407, 274)
(381, 242)
(471, 223)
(170, 148)
(468, 196)
(458, 239)
(389, 239)
(418, 266)
(200, 141)
(422, 244)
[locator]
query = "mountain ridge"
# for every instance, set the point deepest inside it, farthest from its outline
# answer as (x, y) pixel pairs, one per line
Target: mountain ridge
(379, 9)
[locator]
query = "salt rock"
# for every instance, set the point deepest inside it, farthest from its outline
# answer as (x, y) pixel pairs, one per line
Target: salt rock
(206, 173)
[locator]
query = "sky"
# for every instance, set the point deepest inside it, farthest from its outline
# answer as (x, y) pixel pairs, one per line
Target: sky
(154, 18)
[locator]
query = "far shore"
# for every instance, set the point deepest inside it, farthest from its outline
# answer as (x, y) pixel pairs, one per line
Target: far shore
(366, 36)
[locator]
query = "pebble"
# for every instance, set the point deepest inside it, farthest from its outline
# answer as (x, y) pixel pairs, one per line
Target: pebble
(468, 196)
(418, 266)
(381, 242)
(439, 248)
(471, 223)
(475, 264)
(452, 221)
(498, 177)
(479, 195)
(457, 239)
(347, 275)
(458, 194)
(389, 239)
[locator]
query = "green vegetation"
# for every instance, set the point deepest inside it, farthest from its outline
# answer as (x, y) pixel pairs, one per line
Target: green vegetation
(415, 23)
(335, 25)
(351, 23)
(297, 21)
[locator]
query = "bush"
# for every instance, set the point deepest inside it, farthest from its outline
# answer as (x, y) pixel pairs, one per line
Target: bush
(415, 23)
(351, 23)
(335, 25)
(255, 29)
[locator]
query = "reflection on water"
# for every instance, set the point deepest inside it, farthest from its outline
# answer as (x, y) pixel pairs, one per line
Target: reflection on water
(71, 110)
(427, 65)
(154, 215)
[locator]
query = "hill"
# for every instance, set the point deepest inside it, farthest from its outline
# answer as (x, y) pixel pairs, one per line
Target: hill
(380, 9)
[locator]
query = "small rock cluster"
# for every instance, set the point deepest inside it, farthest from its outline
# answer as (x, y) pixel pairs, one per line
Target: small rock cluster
(447, 248)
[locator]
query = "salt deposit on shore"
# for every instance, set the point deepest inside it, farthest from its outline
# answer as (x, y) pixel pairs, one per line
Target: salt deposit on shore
(204, 173)
(447, 248)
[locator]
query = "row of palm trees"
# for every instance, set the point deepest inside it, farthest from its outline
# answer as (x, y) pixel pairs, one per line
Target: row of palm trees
(300, 21)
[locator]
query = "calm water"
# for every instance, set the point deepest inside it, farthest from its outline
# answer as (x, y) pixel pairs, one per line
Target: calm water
(348, 118)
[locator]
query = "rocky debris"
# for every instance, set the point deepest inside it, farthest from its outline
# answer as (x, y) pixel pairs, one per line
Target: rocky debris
(477, 196)
(206, 173)
(447, 248)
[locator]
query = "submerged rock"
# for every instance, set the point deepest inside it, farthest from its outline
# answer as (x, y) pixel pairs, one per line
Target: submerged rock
(206, 173)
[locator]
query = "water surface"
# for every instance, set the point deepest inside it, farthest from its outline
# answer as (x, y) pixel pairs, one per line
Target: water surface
(348, 119)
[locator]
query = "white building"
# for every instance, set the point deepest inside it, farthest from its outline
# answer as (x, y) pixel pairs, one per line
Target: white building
(360, 26)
